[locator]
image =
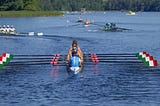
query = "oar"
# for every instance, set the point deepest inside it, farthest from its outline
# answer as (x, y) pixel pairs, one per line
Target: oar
(98, 24)
(20, 64)
(36, 59)
(114, 57)
(38, 55)
(85, 60)
(75, 25)
(36, 63)
(124, 59)
(21, 57)
(123, 28)
(25, 55)
(119, 61)
(29, 61)
(83, 54)
(32, 58)
(114, 54)
(151, 69)
(29, 33)
(117, 57)
(23, 33)
(87, 57)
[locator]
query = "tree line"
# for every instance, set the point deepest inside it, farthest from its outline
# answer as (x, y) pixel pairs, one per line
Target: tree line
(76, 5)
(17, 5)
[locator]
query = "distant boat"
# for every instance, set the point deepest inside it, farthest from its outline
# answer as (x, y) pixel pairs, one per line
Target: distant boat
(9, 33)
(83, 10)
(87, 23)
(80, 20)
(131, 13)
(112, 27)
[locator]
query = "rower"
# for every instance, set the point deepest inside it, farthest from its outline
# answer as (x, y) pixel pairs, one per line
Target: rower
(75, 61)
(7, 29)
(12, 29)
(79, 52)
(110, 26)
(4, 29)
(113, 25)
(80, 19)
(1, 29)
(87, 22)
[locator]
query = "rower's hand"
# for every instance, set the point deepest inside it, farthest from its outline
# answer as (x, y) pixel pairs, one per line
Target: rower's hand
(67, 60)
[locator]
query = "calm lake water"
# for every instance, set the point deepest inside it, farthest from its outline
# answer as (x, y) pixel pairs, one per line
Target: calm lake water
(102, 84)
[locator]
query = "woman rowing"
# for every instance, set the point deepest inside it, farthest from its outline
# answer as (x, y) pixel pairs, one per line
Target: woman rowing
(87, 22)
(7, 29)
(75, 60)
(110, 26)
(80, 19)
(75, 47)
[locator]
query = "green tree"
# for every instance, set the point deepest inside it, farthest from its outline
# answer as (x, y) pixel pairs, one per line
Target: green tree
(17, 5)
(31, 5)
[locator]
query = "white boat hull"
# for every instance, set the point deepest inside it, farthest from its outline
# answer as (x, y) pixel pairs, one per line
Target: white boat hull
(75, 70)
(10, 33)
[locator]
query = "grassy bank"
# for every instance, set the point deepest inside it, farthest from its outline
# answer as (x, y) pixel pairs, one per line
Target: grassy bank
(29, 13)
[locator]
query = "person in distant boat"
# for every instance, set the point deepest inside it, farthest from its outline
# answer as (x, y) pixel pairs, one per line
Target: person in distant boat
(1, 29)
(87, 22)
(4, 29)
(12, 29)
(7, 29)
(110, 26)
(80, 19)
(72, 49)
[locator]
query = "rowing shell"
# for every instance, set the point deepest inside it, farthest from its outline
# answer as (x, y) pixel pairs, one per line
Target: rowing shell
(74, 67)
(10, 33)
(75, 70)
(113, 29)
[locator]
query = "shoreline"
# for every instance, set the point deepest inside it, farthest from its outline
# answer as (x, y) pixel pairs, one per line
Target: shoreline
(5, 14)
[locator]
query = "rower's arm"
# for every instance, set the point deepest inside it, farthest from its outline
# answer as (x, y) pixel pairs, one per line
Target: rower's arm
(69, 53)
(80, 53)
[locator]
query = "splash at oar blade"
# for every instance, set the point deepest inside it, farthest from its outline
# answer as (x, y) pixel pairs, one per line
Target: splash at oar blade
(5, 59)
